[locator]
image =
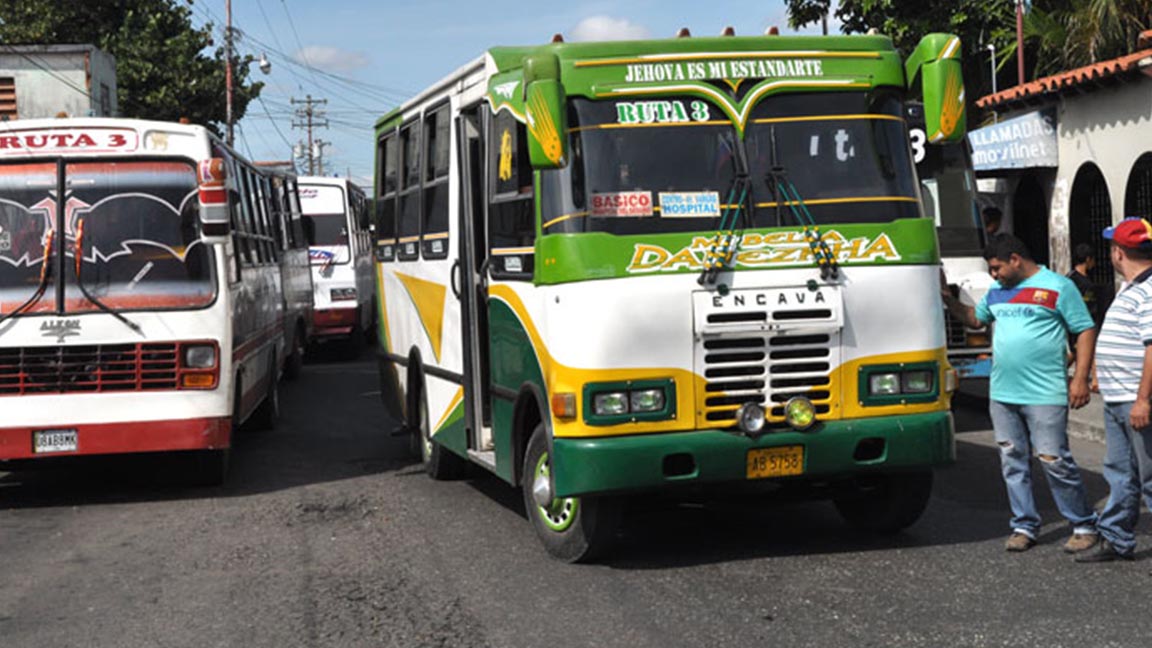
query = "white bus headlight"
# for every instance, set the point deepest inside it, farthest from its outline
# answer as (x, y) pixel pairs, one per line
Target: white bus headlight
(610, 403)
(884, 384)
(200, 356)
(647, 400)
(917, 382)
(750, 417)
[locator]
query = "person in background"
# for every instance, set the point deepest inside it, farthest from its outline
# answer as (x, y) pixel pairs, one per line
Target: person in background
(992, 218)
(1083, 261)
(1124, 378)
(1035, 310)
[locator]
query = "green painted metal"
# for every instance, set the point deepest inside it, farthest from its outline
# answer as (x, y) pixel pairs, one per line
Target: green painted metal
(564, 258)
(630, 463)
(452, 433)
(513, 365)
(867, 371)
(665, 413)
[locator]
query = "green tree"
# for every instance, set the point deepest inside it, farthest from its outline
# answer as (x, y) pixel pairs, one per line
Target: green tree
(1067, 34)
(163, 67)
(978, 23)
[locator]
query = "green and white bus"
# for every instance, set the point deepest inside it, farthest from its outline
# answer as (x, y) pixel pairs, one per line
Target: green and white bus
(611, 268)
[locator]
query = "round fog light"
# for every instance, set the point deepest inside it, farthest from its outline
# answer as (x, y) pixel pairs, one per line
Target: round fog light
(800, 413)
(750, 417)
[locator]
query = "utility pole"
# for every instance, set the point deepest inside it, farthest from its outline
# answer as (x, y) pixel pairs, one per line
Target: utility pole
(318, 153)
(1020, 41)
(228, 70)
(311, 118)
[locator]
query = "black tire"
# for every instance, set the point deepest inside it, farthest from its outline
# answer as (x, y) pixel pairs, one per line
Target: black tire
(294, 363)
(440, 463)
(206, 467)
(268, 412)
(887, 503)
(574, 529)
(354, 343)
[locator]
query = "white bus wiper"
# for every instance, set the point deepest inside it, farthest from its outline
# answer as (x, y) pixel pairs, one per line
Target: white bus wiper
(79, 256)
(42, 286)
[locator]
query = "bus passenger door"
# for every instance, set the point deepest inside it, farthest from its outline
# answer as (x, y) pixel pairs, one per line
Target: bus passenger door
(474, 288)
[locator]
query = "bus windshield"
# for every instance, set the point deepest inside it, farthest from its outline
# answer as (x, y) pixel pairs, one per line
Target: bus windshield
(667, 165)
(137, 222)
(948, 186)
(325, 206)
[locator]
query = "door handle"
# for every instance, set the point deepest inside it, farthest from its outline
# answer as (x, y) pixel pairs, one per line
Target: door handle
(455, 275)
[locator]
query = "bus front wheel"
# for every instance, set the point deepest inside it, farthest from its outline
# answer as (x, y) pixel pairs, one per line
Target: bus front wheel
(572, 529)
(886, 503)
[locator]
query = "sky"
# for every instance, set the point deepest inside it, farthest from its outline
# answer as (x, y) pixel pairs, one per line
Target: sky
(365, 57)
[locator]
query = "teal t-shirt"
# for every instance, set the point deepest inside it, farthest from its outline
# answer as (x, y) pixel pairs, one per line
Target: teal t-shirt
(1033, 320)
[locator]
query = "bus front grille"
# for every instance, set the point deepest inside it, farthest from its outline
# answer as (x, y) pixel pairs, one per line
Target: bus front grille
(765, 369)
(90, 368)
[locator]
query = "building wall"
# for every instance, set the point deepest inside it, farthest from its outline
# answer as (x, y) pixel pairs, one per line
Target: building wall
(1110, 128)
(78, 80)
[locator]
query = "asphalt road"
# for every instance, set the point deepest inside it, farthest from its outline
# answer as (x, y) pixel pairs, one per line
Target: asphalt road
(327, 534)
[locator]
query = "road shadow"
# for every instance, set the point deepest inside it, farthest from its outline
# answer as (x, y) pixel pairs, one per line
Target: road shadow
(333, 427)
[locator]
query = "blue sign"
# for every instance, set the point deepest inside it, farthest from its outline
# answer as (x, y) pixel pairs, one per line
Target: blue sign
(1024, 142)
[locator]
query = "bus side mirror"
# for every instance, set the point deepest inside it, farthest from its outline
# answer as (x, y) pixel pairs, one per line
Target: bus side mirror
(309, 225)
(545, 111)
(215, 216)
(937, 62)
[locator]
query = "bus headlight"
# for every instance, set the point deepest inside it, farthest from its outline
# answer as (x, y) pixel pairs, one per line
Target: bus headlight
(200, 356)
(750, 417)
(884, 384)
(610, 404)
(647, 400)
(916, 382)
(800, 413)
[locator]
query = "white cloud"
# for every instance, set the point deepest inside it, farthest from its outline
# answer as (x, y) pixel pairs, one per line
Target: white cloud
(331, 58)
(602, 28)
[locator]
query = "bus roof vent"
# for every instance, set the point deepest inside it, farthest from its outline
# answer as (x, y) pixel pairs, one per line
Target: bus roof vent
(728, 31)
(683, 33)
(772, 31)
(557, 38)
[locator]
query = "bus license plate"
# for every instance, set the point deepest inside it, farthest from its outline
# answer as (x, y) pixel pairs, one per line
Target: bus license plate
(54, 441)
(775, 462)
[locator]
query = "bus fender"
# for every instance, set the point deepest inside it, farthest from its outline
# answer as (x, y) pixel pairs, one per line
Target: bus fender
(530, 409)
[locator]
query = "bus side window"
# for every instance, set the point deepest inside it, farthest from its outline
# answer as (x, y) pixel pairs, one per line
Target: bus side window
(388, 185)
(300, 239)
(408, 221)
(434, 238)
(240, 217)
(511, 220)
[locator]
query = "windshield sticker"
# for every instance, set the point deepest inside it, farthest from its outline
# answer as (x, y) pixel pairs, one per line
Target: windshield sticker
(504, 168)
(690, 204)
(505, 90)
(735, 69)
(661, 112)
(622, 203)
(763, 251)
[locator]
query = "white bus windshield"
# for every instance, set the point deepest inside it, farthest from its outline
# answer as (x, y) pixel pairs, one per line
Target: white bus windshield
(667, 165)
(137, 222)
(324, 205)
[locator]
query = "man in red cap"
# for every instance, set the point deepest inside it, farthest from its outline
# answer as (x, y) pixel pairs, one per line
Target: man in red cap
(1124, 374)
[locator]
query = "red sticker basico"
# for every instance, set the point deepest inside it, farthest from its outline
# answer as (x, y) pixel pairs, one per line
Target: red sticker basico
(622, 203)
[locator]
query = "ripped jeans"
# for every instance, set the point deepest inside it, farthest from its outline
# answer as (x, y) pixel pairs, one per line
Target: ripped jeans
(1020, 429)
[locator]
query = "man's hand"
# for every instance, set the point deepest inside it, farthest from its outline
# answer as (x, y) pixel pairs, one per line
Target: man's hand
(1078, 393)
(1138, 419)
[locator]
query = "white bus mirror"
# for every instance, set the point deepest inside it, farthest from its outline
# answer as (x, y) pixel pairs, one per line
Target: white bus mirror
(215, 216)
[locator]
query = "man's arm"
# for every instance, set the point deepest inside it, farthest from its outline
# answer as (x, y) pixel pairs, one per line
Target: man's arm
(1079, 390)
(1141, 409)
(961, 311)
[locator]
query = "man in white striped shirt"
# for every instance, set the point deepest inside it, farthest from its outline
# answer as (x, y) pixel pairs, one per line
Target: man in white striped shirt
(1124, 374)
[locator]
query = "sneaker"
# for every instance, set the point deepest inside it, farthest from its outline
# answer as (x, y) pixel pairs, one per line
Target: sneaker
(1081, 542)
(1019, 542)
(1102, 552)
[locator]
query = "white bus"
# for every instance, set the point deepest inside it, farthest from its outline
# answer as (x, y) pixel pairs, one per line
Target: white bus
(341, 258)
(142, 301)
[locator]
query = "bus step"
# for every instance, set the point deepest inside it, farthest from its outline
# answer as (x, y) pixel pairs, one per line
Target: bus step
(486, 458)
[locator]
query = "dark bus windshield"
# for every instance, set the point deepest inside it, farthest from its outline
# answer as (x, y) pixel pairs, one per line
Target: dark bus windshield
(136, 220)
(668, 165)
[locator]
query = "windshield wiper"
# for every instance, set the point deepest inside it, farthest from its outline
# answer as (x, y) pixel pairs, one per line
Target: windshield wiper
(79, 256)
(726, 242)
(787, 195)
(45, 276)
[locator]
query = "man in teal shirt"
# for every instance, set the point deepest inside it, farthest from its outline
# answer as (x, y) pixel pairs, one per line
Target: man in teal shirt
(1034, 310)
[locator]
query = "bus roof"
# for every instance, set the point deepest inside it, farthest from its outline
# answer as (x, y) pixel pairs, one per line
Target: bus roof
(585, 64)
(101, 135)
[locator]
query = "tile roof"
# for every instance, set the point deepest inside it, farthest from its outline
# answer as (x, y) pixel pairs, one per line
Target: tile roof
(1048, 87)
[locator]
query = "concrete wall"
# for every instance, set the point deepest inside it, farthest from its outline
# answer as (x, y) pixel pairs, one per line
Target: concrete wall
(61, 78)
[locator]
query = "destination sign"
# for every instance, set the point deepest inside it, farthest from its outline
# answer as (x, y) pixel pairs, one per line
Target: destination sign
(59, 140)
(722, 69)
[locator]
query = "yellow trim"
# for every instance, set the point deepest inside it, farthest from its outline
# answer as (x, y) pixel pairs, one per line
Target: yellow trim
(509, 251)
(833, 201)
(561, 219)
(383, 306)
(712, 122)
(735, 86)
(451, 406)
(429, 299)
(850, 402)
(409, 239)
(873, 116)
(951, 49)
(434, 236)
(727, 55)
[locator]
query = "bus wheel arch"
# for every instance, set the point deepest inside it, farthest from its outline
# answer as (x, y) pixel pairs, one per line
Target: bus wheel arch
(439, 462)
(527, 413)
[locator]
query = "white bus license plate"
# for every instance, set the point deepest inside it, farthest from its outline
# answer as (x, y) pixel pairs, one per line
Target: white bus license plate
(54, 441)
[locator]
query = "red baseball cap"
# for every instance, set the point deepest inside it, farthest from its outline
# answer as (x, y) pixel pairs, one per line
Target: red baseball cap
(1131, 233)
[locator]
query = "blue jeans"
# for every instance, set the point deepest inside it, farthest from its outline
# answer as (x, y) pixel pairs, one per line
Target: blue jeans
(1128, 469)
(1044, 428)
